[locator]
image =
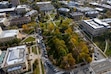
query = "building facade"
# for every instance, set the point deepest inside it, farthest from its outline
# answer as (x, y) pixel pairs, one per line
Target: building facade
(15, 61)
(20, 20)
(94, 27)
(8, 35)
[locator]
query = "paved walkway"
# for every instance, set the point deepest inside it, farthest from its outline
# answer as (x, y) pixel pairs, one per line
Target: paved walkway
(106, 46)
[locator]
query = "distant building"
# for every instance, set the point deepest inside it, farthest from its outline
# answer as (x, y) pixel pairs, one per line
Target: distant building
(45, 6)
(2, 15)
(22, 8)
(101, 5)
(91, 14)
(76, 15)
(107, 20)
(94, 27)
(4, 4)
(64, 11)
(4, 22)
(15, 2)
(20, 20)
(84, 9)
(100, 9)
(7, 10)
(15, 61)
(8, 35)
(31, 13)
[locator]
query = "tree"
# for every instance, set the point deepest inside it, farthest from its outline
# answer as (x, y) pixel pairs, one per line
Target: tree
(89, 59)
(71, 60)
(25, 27)
(50, 27)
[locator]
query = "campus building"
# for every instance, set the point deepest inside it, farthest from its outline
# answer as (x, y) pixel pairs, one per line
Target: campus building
(45, 6)
(8, 35)
(15, 2)
(20, 20)
(3, 22)
(22, 9)
(15, 61)
(95, 26)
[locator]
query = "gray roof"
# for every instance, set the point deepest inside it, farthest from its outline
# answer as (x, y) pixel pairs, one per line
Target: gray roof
(64, 9)
(92, 12)
(45, 7)
(31, 12)
(84, 9)
(76, 14)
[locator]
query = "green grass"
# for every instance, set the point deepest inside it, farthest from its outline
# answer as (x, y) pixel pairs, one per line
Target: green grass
(108, 51)
(42, 68)
(57, 23)
(29, 31)
(29, 39)
(34, 50)
(36, 67)
(52, 15)
(100, 42)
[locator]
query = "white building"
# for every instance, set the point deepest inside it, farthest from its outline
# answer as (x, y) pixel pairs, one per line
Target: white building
(22, 8)
(7, 9)
(15, 61)
(95, 26)
(8, 35)
(3, 22)
(2, 15)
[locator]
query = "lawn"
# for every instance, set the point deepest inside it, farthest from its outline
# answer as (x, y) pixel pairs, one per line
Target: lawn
(29, 39)
(108, 51)
(100, 42)
(42, 67)
(52, 15)
(57, 23)
(36, 67)
(34, 50)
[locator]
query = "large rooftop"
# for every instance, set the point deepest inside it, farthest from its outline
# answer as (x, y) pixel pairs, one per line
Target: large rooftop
(8, 33)
(7, 9)
(16, 55)
(45, 6)
(96, 23)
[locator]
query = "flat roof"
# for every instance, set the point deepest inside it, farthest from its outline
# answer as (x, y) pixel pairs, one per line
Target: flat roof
(96, 23)
(2, 20)
(4, 2)
(76, 13)
(46, 7)
(8, 33)
(16, 55)
(91, 12)
(99, 9)
(43, 2)
(64, 9)
(93, 24)
(30, 12)
(22, 6)
(84, 9)
(107, 20)
(2, 14)
(7, 9)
